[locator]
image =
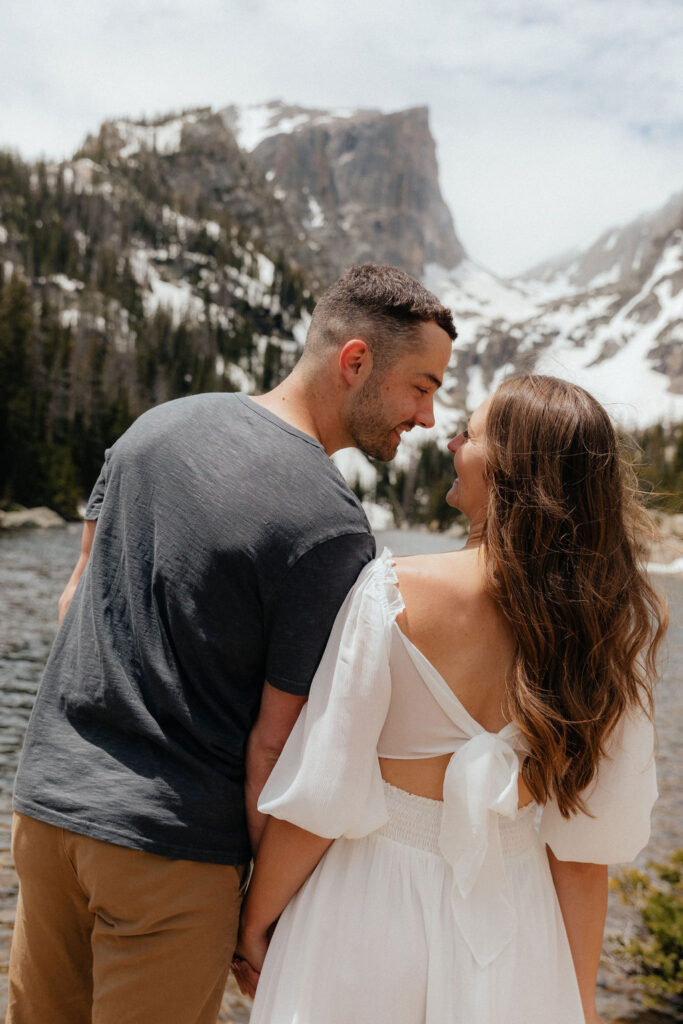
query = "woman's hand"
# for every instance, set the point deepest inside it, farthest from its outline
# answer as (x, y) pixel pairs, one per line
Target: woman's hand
(286, 857)
(252, 946)
(248, 960)
(87, 538)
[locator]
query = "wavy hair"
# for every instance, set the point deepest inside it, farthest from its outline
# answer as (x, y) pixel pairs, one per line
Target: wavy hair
(563, 539)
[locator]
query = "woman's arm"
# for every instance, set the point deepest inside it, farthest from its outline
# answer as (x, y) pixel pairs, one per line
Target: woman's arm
(582, 894)
(287, 855)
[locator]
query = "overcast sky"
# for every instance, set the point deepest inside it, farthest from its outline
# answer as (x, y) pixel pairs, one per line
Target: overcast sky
(552, 120)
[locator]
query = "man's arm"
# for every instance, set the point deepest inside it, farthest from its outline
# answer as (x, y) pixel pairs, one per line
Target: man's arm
(277, 715)
(582, 894)
(87, 538)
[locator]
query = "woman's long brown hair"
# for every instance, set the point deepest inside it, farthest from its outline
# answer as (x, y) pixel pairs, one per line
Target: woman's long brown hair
(565, 563)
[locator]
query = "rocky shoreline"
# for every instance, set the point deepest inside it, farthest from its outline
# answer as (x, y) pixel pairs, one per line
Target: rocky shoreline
(666, 553)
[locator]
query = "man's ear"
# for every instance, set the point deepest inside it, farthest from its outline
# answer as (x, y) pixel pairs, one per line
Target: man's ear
(355, 362)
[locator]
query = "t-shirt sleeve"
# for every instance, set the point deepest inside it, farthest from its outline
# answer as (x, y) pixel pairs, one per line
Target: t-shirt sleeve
(96, 498)
(306, 605)
(618, 801)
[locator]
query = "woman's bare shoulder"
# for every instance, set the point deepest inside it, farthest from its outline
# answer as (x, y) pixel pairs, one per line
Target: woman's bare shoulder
(432, 584)
(459, 572)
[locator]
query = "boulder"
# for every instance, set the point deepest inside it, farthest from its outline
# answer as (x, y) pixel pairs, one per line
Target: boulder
(40, 517)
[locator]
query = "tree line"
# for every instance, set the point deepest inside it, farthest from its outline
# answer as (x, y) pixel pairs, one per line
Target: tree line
(68, 391)
(77, 368)
(81, 355)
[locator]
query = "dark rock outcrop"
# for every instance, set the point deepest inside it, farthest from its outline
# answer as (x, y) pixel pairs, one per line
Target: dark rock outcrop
(365, 187)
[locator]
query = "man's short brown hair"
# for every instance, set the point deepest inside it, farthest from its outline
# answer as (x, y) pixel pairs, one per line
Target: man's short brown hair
(380, 304)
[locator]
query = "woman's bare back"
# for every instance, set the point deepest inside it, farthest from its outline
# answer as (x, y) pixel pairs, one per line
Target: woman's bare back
(452, 620)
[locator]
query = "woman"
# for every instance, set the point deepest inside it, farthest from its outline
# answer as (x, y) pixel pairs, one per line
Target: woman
(459, 695)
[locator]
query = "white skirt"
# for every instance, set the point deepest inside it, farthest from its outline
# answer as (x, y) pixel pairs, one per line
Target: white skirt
(370, 937)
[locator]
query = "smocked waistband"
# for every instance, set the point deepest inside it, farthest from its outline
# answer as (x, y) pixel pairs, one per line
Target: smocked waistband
(416, 821)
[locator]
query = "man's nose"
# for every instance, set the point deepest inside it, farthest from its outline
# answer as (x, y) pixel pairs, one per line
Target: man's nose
(425, 417)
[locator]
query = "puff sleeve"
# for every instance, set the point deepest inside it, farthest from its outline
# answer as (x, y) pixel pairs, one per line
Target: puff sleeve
(327, 778)
(619, 799)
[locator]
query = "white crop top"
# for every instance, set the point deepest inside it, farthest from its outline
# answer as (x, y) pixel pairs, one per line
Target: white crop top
(375, 693)
(405, 734)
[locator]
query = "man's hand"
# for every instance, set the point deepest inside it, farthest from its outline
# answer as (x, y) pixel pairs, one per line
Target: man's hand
(87, 538)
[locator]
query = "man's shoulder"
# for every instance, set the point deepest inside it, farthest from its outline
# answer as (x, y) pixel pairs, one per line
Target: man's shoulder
(327, 503)
(192, 412)
(190, 406)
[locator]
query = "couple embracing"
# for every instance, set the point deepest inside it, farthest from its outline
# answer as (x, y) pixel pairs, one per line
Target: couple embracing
(433, 759)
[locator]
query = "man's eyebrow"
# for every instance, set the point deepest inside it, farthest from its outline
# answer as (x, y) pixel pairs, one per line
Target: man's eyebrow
(431, 377)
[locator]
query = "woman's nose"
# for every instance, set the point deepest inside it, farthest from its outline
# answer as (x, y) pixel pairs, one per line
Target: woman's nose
(454, 443)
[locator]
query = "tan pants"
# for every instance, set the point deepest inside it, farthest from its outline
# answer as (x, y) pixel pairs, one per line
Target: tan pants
(108, 935)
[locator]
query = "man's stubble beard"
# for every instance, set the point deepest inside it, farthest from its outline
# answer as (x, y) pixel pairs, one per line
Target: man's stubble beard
(367, 424)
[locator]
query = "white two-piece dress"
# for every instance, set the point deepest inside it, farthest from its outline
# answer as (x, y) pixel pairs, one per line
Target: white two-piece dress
(422, 911)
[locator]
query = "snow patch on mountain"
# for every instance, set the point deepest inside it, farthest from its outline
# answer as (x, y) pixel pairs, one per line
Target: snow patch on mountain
(605, 278)
(476, 296)
(610, 241)
(164, 137)
(601, 336)
(625, 380)
(67, 284)
(634, 394)
(175, 297)
(316, 217)
(254, 123)
(470, 282)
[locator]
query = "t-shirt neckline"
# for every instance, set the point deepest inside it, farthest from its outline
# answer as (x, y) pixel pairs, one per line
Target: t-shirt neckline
(278, 421)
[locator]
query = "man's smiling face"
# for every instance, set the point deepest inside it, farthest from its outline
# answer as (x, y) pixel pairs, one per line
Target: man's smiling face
(402, 396)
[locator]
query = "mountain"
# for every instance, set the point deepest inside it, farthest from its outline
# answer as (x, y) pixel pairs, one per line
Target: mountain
(363, 185)
(609, 318)
(185, 253)
(329, 189)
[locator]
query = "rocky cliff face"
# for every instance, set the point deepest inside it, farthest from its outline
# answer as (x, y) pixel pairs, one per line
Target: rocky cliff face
(195, 163)
(363, 186)
(328, 190)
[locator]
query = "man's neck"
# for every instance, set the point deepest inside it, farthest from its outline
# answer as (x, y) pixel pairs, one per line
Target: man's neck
(295, 402)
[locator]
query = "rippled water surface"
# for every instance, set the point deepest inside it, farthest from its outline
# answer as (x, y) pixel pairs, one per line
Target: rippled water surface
(35, 565)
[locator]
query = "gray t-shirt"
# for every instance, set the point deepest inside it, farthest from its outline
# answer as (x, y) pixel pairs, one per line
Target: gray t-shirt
(226, 542)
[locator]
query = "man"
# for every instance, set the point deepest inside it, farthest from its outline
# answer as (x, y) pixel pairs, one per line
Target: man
(219, 543)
